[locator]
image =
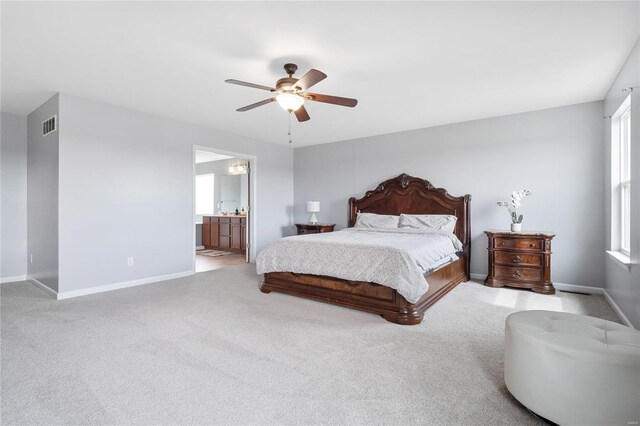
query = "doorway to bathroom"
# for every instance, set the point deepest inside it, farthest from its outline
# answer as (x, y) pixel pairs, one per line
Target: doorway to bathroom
(222, 208)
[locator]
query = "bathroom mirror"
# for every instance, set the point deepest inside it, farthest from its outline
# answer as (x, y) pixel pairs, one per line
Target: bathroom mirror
(233, 192)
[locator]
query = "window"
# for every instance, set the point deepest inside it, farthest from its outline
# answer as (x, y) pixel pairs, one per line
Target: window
(621, 179)
(625, 181)
(204, 194)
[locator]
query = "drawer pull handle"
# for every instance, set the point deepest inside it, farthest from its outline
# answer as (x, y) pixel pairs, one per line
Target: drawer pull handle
(532, 245)
(517, 274)
(517, 259)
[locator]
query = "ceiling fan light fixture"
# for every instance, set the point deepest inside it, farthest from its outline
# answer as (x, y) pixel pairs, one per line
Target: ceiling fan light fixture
(291, 93)
(289, 101)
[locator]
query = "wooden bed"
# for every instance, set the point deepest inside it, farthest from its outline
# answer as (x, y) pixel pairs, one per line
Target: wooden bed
(402, 194)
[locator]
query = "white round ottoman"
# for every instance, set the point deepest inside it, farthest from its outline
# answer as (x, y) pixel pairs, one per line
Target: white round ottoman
(573, 369)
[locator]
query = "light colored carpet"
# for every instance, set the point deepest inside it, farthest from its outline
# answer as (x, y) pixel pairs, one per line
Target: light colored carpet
(213, 253)
(213, 349)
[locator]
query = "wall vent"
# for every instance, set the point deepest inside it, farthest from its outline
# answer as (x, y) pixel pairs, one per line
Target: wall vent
(49, 125)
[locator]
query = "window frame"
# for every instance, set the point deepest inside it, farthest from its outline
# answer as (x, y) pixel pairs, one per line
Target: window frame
(213, 201)
(625, 180)
(621, 182)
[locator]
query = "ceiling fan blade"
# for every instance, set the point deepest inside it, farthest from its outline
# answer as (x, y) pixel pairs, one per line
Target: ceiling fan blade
(257, 104)
(255, 86)
(302, 114)
(312, 77)
(328, 99)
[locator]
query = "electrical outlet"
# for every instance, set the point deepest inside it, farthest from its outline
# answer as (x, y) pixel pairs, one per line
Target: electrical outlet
(129, 261)
(31, 258)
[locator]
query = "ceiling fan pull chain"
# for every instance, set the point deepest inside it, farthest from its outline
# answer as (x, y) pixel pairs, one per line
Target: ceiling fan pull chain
(289, 127)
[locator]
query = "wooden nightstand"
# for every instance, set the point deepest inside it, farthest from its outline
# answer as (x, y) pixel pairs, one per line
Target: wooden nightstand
(306, 228)
(520, 259)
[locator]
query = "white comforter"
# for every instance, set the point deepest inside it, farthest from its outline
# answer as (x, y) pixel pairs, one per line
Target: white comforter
(397, 258)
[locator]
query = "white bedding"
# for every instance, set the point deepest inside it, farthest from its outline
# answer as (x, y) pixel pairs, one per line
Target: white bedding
(397, 258)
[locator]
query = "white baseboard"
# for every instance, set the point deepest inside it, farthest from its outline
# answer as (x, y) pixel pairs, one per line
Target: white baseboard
(616, 309)
(13, 279)
(577, 288)
(117, 286)
(43, 286)
(558, 286)
(199, 247)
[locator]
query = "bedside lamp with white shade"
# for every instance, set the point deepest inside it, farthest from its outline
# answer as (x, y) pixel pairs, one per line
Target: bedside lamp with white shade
(313, 207)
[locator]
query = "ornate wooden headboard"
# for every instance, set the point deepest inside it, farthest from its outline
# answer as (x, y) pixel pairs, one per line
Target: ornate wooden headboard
(411, 195)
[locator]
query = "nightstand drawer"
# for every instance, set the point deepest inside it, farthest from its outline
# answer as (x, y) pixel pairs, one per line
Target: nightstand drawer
(513, 273)
(307, 228)
(518, 243)
(518, 259)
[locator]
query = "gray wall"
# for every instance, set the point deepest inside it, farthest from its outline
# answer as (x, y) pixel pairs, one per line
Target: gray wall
(42, 195)
(624, 286)
(126, 182)
(13, 155)
(556, 153)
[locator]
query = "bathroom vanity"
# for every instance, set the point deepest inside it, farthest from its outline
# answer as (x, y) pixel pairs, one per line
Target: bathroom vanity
(228, 233)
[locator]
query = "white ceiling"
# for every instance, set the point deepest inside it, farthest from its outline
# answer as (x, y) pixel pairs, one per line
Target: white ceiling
(410, 64)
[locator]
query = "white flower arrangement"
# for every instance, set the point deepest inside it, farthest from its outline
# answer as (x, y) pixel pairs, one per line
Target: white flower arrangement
(514, 204)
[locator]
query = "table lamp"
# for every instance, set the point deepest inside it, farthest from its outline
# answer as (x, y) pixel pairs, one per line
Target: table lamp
(313, 207)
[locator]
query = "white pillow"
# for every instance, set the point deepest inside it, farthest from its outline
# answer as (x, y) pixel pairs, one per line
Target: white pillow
(372, 220)
(443, 222)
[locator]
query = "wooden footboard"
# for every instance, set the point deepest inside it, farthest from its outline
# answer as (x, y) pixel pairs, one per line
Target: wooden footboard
(368, 297)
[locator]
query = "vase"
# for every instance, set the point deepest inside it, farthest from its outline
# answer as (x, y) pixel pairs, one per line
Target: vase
(516, 227)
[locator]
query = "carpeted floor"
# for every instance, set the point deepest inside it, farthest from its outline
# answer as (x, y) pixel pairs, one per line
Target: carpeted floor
(212, 349)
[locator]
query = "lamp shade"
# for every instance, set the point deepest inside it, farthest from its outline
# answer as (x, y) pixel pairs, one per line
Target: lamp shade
(289, 101)
(313, 206)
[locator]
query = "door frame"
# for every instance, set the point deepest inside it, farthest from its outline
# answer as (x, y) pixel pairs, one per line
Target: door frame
(251, 208)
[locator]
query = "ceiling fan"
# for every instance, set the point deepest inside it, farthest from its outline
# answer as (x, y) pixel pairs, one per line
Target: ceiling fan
(292, 92)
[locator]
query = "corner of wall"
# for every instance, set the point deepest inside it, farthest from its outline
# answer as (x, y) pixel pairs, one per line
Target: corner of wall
(42, 195)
